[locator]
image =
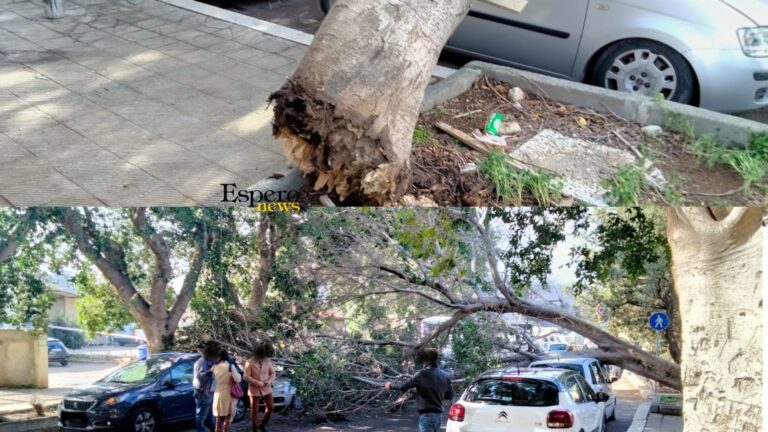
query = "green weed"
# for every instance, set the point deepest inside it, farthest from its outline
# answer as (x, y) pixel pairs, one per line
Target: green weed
(421, 135)
(511, 184)
(750, 162)
(626, 186)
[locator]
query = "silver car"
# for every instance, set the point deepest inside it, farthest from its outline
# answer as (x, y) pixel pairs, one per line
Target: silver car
(711, 53)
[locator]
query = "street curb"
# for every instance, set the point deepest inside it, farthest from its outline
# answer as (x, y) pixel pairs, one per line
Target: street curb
(729, 130)
(267, 27)
(39, 425)
(46, 405)
(449, 88)
(640, 418)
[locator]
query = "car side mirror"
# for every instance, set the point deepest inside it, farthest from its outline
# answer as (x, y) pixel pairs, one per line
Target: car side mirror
(614, 379)
(602, 397)
(172, 383)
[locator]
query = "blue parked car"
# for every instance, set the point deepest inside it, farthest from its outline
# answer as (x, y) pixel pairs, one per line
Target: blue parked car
(139, 397)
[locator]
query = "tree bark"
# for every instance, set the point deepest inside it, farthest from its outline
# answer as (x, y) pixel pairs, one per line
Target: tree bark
(349, 111)
(716, 263)
(267, 244)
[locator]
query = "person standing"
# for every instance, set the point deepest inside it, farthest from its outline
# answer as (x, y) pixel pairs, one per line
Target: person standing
(224, 405)
(202, 383)
(433, 386)
(260, 374)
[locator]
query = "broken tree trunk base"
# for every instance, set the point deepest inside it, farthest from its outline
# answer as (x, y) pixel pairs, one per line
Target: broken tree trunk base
(317, 139)
(348, 112)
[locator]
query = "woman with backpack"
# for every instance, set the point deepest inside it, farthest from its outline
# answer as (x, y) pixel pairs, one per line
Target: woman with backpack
(228, 390)
(260, 374)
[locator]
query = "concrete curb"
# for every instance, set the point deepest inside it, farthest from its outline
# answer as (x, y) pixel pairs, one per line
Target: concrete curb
(46, 405)
(449, 88)
(38, 425)
(640, 418)
(727, 129)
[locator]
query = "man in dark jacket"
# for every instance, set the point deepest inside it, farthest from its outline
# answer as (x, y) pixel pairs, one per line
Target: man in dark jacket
(204, 386)
(433, 386)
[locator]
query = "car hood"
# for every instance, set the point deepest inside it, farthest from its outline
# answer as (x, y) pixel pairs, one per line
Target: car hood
(755, 10)
(98, 390)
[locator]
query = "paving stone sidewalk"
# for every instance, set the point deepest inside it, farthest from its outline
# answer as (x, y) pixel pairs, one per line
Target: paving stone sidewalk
(663, 423)
(134, 104)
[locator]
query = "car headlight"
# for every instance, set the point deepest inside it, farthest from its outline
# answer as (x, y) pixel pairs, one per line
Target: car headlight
(112, 400)
(754, 41)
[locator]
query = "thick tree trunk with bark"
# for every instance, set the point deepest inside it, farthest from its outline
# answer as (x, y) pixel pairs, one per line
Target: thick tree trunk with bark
(717, 267)
(349, 111)
(267, 239)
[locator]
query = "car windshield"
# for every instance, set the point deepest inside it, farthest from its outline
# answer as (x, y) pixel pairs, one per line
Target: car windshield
(141, 372)
(514, 391)
(573, 367)
(558, 347)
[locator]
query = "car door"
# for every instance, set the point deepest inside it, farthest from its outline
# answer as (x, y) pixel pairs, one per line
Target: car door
(600, 383)
(178, 402)
(544, 37)
(592, 414)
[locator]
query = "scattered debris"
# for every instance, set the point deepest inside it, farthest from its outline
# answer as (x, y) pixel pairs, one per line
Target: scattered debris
(585, 165)
(516, 94)
(489, 139)
(467, 114)
(469, 168)
(493, 126)
(422, 201)
(652, 131)
(326, 201)
(509, 128)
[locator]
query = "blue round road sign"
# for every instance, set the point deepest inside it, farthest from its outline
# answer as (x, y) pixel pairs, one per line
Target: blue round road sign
(659, 321)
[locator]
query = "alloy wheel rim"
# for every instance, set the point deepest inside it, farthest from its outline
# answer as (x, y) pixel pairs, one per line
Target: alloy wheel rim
(643, 72)
(145, 422)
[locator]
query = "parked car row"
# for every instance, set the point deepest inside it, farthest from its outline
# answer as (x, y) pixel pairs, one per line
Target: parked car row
(146, 394)
(711, 53)
(572, 394)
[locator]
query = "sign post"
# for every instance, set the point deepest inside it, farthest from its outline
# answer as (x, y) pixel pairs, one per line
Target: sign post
(659, 321)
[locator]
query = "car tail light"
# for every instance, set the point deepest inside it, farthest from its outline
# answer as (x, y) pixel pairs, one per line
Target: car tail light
(456, 413)
(560, 419)
(512, 379)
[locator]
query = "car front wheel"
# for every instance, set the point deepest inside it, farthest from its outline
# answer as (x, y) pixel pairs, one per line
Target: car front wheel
(143, 420)
(64, 362)
(646, 68)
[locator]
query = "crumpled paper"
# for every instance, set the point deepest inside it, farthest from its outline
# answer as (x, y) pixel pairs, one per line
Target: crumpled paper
(489, 139)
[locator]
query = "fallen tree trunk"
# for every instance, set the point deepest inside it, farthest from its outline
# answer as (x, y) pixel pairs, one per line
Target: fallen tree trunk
(349, 111)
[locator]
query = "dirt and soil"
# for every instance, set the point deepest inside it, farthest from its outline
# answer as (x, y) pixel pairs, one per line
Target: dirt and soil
(437, 158)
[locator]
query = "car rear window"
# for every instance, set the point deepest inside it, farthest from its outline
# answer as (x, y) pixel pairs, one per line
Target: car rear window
(573, 367)
(514, 391)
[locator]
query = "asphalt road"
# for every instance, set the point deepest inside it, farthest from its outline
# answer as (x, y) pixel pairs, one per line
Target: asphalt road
(306, 15)
(406, 421)
(77, 373)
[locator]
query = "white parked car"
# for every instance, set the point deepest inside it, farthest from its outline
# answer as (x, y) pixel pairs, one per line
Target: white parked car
(593, 372)
(528, 400)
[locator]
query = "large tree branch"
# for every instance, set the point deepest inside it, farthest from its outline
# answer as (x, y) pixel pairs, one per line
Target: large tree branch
(163, 271)
(109, 258)
(190, 280)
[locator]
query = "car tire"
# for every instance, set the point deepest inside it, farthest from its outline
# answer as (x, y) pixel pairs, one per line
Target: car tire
(325, 5)
(619, 59)
(64, 362)
(143, 419)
